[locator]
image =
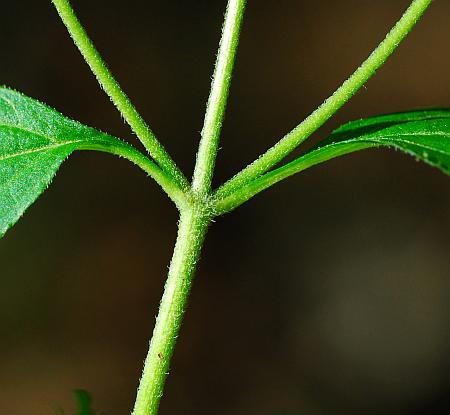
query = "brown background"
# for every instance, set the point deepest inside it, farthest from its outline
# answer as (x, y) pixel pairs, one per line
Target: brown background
(328, 294)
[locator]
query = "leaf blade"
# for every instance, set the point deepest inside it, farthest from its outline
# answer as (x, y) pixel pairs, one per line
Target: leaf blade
(421, 134)
(34, 141)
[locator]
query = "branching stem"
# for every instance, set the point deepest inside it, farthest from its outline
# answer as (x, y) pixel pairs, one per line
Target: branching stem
(292, 140)
(195, 202)
(217, 102)
(193, 225)
(116, 94)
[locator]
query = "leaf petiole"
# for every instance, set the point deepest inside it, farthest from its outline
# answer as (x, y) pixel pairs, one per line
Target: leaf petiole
(130, 153)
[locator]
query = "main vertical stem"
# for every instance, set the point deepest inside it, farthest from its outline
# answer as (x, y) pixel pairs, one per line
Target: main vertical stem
(193, 225)
(192, 229)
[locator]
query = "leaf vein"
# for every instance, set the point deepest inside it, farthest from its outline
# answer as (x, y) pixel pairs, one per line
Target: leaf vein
(36, 150)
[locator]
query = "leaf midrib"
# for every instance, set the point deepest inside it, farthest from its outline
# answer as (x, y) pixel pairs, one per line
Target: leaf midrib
(393, 138)
(40, 134)
(36, 150)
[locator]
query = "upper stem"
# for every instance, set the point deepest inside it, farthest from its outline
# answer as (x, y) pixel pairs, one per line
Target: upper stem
(116, 94)
(292, 140)
(217, 101)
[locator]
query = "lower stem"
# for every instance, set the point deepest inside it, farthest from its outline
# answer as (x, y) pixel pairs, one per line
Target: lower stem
(192, 229)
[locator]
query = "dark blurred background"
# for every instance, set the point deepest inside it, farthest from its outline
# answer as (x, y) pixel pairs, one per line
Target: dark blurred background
(328, 294)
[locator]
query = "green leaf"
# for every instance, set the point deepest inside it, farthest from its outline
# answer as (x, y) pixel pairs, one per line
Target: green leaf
(424, 135)
(34, 141)
(83, 402)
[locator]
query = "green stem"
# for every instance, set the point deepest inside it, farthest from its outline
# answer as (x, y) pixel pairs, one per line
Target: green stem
(128, 152)
(116, 94)
(215, 110)
(292, 140)
(192, 229)
(194, 221)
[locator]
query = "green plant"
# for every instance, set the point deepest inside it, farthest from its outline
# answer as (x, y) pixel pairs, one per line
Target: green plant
(35, 140)
(84, 403)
